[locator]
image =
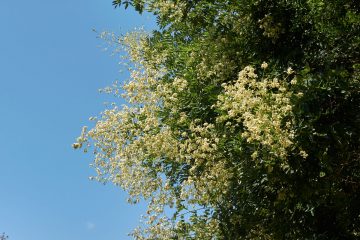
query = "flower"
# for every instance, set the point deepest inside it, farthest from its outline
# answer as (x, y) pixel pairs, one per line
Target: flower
(303, 154)
(293, 81)
(264, 65)
(289, 71)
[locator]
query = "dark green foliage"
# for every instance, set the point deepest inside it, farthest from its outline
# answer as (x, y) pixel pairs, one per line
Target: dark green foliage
(137, 4)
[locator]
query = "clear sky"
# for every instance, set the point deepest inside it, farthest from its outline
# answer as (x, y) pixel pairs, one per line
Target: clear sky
(51, 67)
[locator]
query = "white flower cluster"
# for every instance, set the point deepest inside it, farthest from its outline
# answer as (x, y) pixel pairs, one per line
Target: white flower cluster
(271, 29)
(131, 142)
(263, 108)
(168, 9)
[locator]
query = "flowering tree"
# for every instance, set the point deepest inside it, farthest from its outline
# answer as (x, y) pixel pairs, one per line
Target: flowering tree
(242, 122)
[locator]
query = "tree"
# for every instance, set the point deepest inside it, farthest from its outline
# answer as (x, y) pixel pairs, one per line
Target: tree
(243, 120)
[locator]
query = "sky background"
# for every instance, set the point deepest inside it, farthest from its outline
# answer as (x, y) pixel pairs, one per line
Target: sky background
(51, 67)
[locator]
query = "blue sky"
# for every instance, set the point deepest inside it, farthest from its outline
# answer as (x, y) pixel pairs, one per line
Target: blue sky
(51, 67)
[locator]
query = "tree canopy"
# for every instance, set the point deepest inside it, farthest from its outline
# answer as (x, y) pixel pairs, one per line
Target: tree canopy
(242, 122)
